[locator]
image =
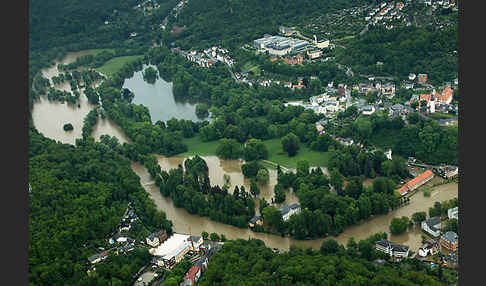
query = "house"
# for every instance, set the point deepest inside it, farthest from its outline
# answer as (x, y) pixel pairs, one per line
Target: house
(93, 259)
(255, 220)
(192, 276)
(286, 31)
(388, 90)
(287, 211)
(408, 85)
(392, 249)
(323, 43)
(431, 247)
(416, 182)
(448, 171)
(432, 226)
(453, 213)
(447, 121)
(157, 238)
(314, 54)
(388, 154)
(294, 60)
(368, 110)
(449, 240)
(422, 78)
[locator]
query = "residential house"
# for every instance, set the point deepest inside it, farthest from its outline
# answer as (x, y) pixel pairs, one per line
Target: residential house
(192, 276)
(294, 59)
(449, 240)
(392, 249)
(93, 259)
(388, 154)
(431, 247)
(157, 238)
(432, 226)
(388, 90)
(287, 211)
(447, 121)
(256, 220)
(453, 213)
(422, 78)
(368, 110)
(408, 85)
(416, 182)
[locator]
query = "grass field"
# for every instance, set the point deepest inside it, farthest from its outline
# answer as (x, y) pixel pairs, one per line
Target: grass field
(95, 52)
(115, 64)
(438, 115)
(197, 147)
(275, 153)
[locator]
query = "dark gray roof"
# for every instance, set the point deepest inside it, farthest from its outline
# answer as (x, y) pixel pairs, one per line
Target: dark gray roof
(432, 222)
(394, 247)
(255, 219)
(284, 210)
(451, 236)
(294, 206)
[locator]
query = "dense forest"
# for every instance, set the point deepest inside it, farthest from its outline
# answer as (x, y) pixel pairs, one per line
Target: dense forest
(403, 51)
(235, 22)
(242, 262)
(79, 194)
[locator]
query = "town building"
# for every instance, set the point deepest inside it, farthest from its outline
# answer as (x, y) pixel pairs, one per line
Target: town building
(257, 220)
(448, 171)
(298, 59)
(437, 98)
(157, 238)
(314, 54)
(172, 251)
(451, 260)
(453, 213)
(431, 247)
(422, 78)
(432, 226)
(93, 259)
(368, 110)
(192, 276)
(449, 240)
(388, 90)
(287, 211)
(323, 43)
(388, 154)
(416, 182)
(287, 31)
(392, 249)
(278, 45)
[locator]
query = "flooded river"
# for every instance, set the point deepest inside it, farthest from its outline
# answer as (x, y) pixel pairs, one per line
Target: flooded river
(159, 99)
(182, 219)
(49, 117)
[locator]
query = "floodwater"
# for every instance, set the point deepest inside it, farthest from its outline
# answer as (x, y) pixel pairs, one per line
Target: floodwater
(159, 98)
(184, 222)
(49, 117)
(220, 167)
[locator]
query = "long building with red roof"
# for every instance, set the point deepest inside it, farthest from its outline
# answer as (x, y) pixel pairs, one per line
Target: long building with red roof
(416, 182)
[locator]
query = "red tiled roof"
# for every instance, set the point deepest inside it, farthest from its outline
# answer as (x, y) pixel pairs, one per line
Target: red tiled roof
(192, 272)
(420, 178)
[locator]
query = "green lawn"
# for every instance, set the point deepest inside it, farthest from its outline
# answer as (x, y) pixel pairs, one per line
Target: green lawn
(197, 147)
(438, 115)
(275, 153)
(95, 52)
(115, 64)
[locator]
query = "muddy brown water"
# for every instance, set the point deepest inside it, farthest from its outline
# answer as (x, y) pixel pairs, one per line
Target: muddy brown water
(184, 222)
(49, 118)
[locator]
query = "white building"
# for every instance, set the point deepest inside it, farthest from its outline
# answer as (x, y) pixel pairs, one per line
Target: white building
(388, 154)
(394, 250)
(287, 211)
(172, 251)
(368, 110)
(453, 213)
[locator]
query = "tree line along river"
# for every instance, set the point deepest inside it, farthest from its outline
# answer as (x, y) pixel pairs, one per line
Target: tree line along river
(49, 118)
